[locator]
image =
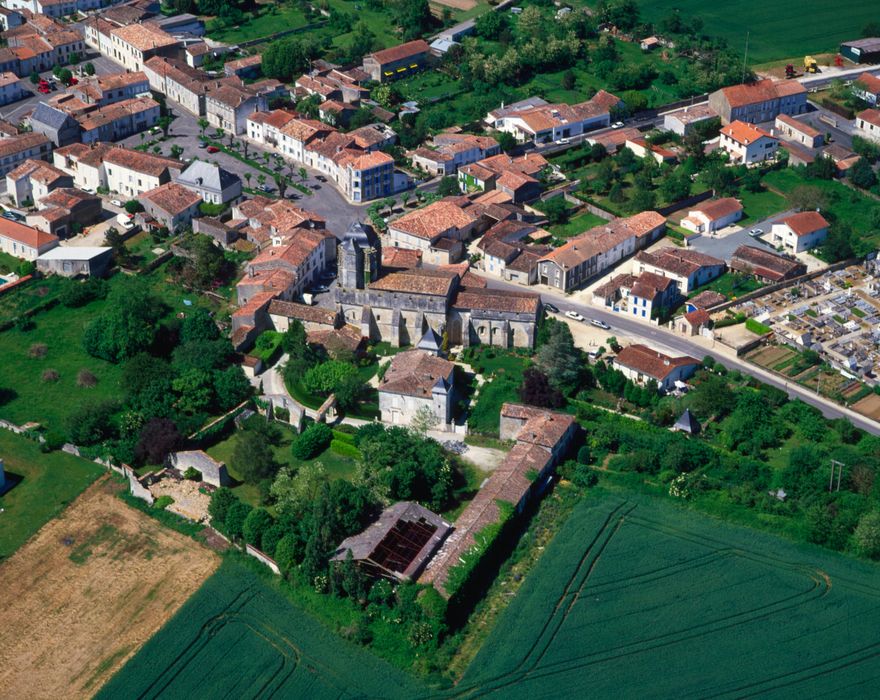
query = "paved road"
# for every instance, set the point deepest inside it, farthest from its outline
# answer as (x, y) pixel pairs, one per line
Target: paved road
(724, 245)
(665, 339)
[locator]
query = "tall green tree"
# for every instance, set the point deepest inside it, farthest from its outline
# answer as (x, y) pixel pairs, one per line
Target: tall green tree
(128, 323)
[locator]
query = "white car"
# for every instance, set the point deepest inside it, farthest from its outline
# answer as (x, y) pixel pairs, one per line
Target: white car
(574, 315)
(562, 142)
(88, 190)
(617, 125)
(600, 324)
(127, 225)
(117, 203)
(755, 232)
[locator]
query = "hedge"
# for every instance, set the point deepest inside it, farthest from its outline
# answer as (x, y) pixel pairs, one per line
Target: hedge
(757, 327)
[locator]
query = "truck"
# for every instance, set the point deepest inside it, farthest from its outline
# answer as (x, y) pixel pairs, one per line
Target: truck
(810, 65)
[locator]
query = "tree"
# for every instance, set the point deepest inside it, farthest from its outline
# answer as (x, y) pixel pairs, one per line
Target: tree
(556, 210)
(448, 187)
(252, 458)
(866, 537)
(198, 325)
(231, 387)
(568, 80)
(325, 377)
(530, 22)
(349, 391)
(235, 518)
(257, 522)
(35, 77)
(807, 197)
(559, 359)
(203, 125)
(822, 168)
(158, 438)
(362, 42)
(861, 174)
(506, 141)
(176, 151)
(206, 262)
(127, 325)
(221, 501)
(675, 187)
(133, 206)
(423, 420)
(164, 123)
(89, 68)
(303, 174)
(413, 17)
(91, 423)
(490, 24)
(536, 390)
(312, 441)
(290, 57)
(281, 184)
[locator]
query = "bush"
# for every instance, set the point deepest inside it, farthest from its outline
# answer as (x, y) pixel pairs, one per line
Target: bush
(325, 377)
(49, 375)
(192, 474)
(312, 441)
(80, 294)
(345, 449)
(38, 351)
(162, 502)
(85, 379)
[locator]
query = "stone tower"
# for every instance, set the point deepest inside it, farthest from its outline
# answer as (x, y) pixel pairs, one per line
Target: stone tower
(359, 256)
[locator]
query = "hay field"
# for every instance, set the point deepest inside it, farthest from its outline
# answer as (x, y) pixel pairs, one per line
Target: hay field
(86, 592)
(640, 599)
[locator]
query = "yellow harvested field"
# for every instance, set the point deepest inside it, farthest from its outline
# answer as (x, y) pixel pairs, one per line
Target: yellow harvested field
(869, 406)
(87, 591)
(457, 4)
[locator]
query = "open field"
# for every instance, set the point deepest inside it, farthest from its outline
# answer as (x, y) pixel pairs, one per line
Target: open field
(44, 484)
(638, 598)
(238, 637)
(774, 32)
(60, 329)
(577, 225)
(84, 594)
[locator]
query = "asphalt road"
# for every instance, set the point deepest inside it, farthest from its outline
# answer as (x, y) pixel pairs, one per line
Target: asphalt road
(723, 246)
(669, 341)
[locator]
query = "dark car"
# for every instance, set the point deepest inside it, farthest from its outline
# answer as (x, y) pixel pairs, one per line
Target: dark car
(320, 289)
(320, 178)
(316, 187)
(12, 216)
(551, 308)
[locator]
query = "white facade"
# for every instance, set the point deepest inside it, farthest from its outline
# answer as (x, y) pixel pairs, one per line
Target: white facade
(868, 125)
(757, 151)
(781, 234)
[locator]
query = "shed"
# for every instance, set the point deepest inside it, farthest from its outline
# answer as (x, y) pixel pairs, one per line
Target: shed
(687, 423)
(74, 261)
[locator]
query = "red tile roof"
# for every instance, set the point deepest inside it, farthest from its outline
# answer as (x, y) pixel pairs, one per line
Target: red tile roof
(806, 222)
(401, 52)
(651, 363)
(25, 235)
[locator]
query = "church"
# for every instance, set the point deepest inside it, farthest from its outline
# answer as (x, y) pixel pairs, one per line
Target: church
(401, 306)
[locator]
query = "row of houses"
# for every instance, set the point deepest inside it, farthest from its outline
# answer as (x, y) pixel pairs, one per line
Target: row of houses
(354, 161)
(35, 41)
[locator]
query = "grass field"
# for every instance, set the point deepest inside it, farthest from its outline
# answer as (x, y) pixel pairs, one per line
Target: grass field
(758, 206)
(60, 329)
(782, 29)
(268, 20)
(44, 485)
(237, 637)
(641, 599)
(87, 591)
(28, 296)
(730, 285)
(577, 225)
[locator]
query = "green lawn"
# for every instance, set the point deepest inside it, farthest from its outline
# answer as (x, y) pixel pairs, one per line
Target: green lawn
(785, 29)
(268, 20)
(48, 483)
(758, 206)
(730, 284)
(844, 203)
(8, 263)
(31, 399)
(141, 246)
(337, 466)
(29, 295)
(577, 225)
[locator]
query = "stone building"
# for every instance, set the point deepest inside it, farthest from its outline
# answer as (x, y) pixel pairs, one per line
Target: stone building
(399, 307)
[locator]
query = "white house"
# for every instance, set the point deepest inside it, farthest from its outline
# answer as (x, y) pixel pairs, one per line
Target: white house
(796, 131)
(417, 380)
(641, 364)
(211, 182)
(713, 215)
(747, 144)
(131, 173)
(689, 268)
(23, 241)
(868, 124)
(800, 232)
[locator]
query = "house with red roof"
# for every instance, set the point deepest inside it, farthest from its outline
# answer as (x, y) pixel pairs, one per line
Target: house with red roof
(800, 232)
(868, 124)
(713, 215)
(641, 364)
(760, 101)
(23, 241)
(867, 87)
(747, 144)
(397, 62)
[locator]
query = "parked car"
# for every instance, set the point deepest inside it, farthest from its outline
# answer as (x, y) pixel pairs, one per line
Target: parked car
(617, 125)
(575, 316)
(88, 190)
(551, 308)
(213, 149)
(12, 216)
(117, 203)
(320, 289)
(755, 232)
(202, 144)
(320, 178)
(564, 141)
(127, 225)
(266, 188)
(600, 324)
